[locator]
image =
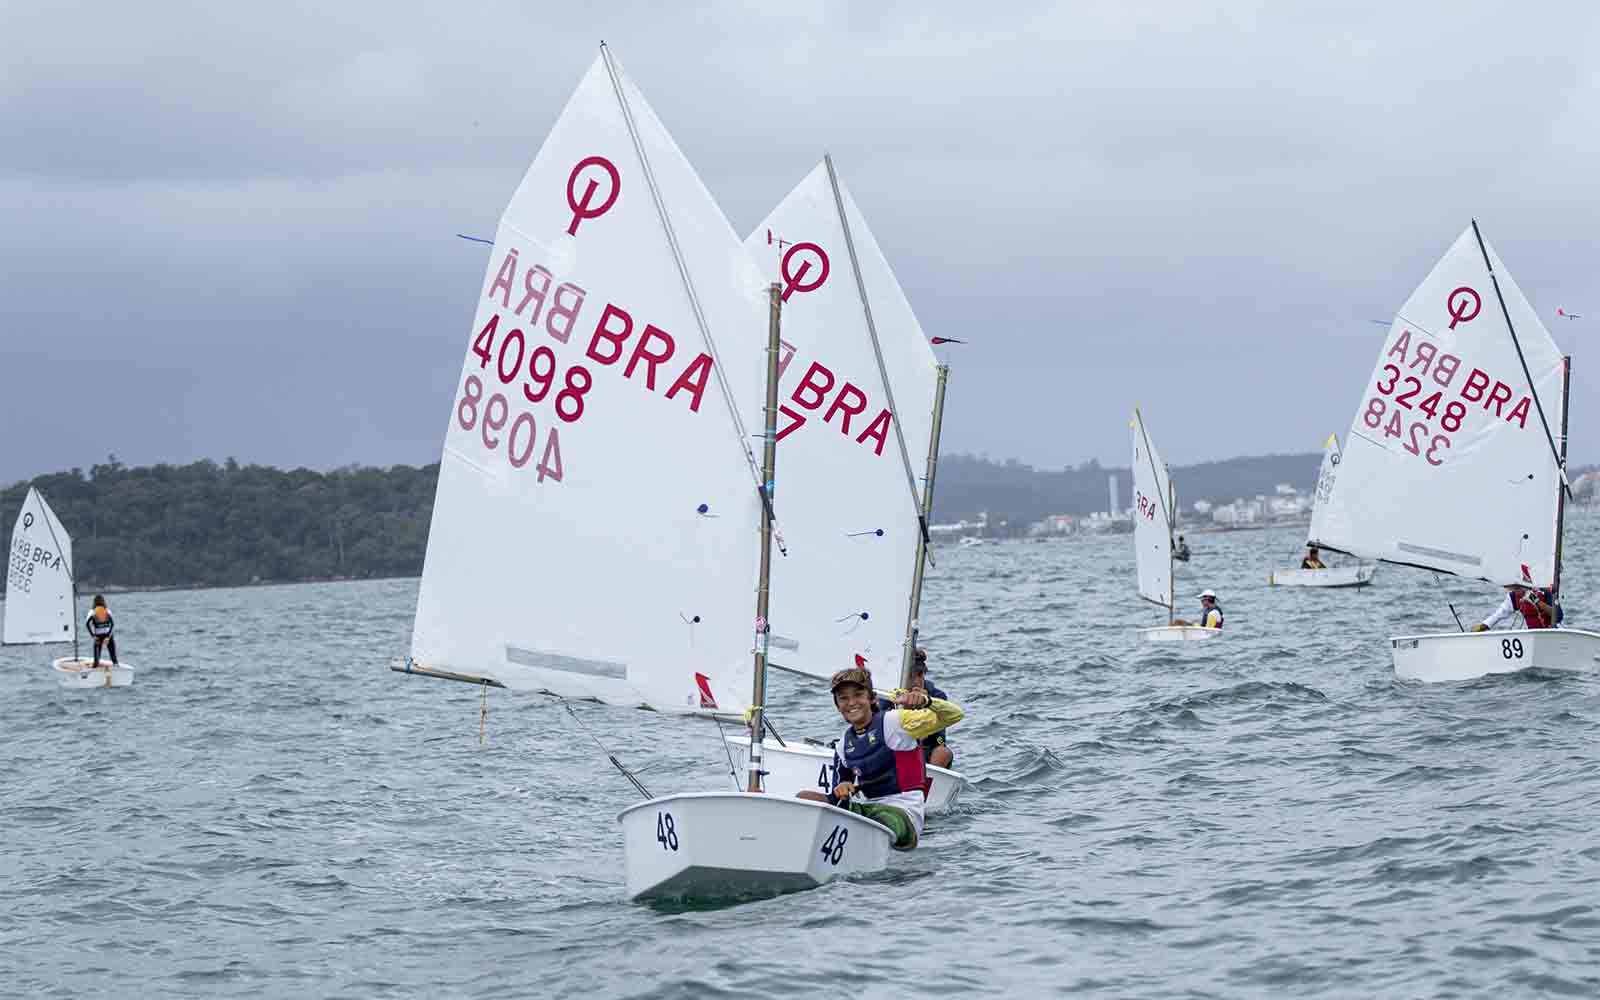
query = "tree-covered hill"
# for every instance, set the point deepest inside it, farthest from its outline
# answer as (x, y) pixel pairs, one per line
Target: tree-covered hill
(206, 524)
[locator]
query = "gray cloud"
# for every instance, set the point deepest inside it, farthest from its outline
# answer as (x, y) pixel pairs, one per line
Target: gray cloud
(230, 227)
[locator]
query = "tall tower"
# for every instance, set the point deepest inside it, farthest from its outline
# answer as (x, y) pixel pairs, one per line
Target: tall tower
(1115, 506)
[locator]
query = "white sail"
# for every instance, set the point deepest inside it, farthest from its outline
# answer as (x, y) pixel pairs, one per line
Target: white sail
(1152, 517)
(849, 500)
(1448, 465)
(595, 531)
(39, 605)
(1326, 474)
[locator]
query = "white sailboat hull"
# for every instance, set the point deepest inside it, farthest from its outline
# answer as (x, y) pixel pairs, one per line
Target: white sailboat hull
(79, 672)
(1178, 633)
(795, 767)
(1338, 576)
(1460, 656)
(728, 845)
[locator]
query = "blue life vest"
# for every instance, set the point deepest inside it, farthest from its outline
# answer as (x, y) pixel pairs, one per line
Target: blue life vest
(875, 769)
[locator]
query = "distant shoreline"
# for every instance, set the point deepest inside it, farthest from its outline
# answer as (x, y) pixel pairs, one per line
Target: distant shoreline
(162, 588)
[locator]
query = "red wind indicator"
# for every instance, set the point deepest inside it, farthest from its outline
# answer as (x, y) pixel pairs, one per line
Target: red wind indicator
(944, 340)
(1566, 315)
(861, 661)
(706, 700)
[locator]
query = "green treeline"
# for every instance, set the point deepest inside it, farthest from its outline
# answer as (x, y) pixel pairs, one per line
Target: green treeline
(206, 524)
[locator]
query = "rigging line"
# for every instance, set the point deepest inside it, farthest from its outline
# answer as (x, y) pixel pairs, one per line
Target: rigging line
(683, 267)
(877, 348)
(767, 721)
(1533, 389)
(1459, 627)
(733, 769)
(632, 779)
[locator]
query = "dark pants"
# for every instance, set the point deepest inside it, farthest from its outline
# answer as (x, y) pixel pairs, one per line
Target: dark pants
(111, 647)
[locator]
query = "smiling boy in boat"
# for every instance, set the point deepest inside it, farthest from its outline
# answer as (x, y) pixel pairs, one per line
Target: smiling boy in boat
(881, 753)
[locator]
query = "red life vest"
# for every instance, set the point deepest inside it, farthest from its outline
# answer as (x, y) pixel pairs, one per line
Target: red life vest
(1530, 611)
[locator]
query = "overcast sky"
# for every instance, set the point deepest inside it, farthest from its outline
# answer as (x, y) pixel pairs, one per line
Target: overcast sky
(227, 229)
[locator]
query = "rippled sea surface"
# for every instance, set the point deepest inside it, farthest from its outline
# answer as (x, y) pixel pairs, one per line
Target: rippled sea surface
(269, 811)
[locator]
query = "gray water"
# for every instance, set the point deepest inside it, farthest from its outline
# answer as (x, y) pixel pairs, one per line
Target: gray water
(269, 811)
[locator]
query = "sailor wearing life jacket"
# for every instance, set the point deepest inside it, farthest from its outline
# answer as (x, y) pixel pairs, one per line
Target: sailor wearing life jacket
(1523, 607)
(1210, 612)
(878, 765)
(935, 749)
(100, 626)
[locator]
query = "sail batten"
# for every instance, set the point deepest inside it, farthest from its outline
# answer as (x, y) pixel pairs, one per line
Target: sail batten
(1447, 465)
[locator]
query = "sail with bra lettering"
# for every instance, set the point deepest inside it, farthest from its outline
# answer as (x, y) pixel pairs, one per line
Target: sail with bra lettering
(39, 602)
(594, 532)
(1448, 465)
(850, 501)
(1152, 520)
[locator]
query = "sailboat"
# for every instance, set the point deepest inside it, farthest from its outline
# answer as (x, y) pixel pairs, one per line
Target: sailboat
(1155, 506)
(598, 494)
(861, 393)
(1354, 574)
(1456, 461)
(41, 604)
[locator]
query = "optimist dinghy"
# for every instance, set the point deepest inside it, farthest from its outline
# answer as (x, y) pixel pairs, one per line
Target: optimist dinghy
(1357, 574)
(793, 766)
(1456, 461)
(81, 672)
(41, 596)
(1155, 508)
(850, 595)
(599, 439)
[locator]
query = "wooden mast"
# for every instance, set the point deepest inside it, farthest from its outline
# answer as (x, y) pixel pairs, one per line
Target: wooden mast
(769, 457)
